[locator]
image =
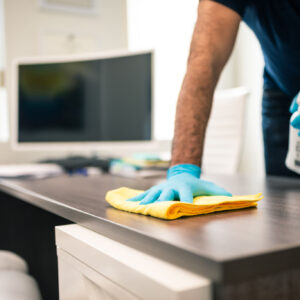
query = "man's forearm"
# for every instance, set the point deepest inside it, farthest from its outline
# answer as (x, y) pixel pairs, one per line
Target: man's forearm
(210, 48)
(192, 113)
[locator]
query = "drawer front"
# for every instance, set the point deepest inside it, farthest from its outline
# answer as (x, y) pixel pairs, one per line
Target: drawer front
(141, 275)
(77, 281)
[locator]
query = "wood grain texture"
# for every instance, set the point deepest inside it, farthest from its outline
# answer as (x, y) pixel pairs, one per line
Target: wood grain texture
(246, 242)
(280, 286)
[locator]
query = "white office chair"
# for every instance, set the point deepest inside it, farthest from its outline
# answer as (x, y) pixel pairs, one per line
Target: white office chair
(224, 135)
(15, 283)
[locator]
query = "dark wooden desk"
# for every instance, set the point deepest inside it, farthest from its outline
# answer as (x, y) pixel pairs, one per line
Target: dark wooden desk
(249, 254)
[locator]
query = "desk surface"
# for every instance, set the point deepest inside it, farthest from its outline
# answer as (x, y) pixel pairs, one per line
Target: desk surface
(227, 247)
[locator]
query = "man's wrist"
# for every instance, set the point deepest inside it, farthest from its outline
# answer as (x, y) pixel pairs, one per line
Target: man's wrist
(191, 169)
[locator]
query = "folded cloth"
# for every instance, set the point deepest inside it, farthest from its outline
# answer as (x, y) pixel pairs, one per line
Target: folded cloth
(175, 209)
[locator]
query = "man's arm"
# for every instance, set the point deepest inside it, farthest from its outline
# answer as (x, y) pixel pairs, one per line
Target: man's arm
(213, 39)
(212, 42)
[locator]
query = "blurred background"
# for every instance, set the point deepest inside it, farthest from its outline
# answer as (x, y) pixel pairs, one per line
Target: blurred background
(55, 27)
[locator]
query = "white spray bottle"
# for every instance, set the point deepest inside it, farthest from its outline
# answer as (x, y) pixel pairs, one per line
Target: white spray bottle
(293, 157)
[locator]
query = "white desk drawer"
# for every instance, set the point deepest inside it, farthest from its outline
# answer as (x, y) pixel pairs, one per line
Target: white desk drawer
(77, 281)
(118, 267)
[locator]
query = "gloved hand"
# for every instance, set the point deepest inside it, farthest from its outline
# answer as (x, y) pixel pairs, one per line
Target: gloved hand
(293, 108)
(183, 183)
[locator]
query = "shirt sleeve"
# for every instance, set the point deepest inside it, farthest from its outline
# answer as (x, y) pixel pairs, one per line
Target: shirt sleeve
(238, 6)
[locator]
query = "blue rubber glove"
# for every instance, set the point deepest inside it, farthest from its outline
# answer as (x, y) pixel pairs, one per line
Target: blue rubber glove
(183, 183)
(293, 108)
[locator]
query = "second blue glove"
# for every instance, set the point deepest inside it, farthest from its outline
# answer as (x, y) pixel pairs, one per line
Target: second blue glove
(294, 107)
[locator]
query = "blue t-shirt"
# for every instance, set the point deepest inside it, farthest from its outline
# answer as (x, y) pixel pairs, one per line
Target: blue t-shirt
(276, 24)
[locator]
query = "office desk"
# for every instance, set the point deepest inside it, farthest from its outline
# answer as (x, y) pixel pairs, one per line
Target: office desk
(247, 254)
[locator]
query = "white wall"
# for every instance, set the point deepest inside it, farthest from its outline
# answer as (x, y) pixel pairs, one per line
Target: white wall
(249, 72)
(32, 31)
(2, 47)
(3, 100)
(166, 26)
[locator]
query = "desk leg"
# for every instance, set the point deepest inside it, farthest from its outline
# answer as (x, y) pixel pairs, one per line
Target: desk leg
(29, 231)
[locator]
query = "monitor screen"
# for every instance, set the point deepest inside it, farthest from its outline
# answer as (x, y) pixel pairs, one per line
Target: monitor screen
(85, 101)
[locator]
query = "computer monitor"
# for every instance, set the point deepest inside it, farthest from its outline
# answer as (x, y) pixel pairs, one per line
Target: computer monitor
(95, 100)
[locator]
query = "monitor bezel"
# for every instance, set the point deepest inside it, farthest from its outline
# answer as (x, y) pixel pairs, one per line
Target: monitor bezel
(78, 146)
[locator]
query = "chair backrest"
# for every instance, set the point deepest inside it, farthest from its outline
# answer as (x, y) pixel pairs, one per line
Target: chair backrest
(224, 135)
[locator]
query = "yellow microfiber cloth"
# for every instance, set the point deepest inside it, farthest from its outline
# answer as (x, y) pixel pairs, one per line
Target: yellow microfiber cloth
(175, 209)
